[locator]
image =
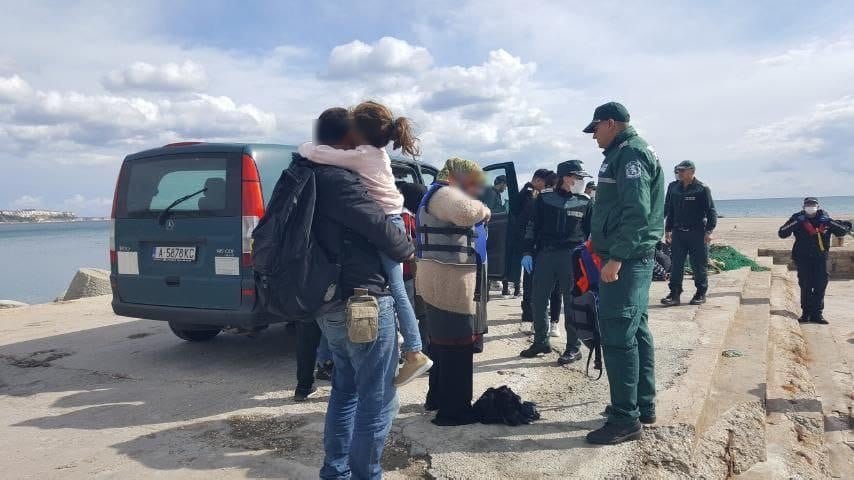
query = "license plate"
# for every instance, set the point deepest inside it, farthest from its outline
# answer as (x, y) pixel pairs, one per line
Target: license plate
(174, 254)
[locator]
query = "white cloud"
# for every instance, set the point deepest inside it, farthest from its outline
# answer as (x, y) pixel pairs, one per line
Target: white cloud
(14, 89)
(385, 56)
(808, 133)
(168, 76)
(112, 119)
(28, 201)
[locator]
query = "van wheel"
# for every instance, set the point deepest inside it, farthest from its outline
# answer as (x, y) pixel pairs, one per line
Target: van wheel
(193, 335)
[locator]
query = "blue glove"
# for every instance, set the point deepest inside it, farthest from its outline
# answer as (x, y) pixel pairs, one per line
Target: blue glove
(528, 263)
(823, 219)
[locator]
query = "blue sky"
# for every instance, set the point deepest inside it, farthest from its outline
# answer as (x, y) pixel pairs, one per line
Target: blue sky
(759, 94)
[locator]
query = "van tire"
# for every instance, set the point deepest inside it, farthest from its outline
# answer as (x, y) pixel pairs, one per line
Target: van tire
(193, 335)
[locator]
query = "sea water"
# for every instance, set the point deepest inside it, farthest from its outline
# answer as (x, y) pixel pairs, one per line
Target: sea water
(38, 260)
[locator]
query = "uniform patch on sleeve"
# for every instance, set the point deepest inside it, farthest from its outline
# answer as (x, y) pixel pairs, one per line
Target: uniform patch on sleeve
(633, 169)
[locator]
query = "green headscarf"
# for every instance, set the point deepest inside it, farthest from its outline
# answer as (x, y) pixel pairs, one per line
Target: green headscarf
(456, 167)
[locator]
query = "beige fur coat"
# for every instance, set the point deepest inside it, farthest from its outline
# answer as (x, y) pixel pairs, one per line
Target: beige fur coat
(443, 286)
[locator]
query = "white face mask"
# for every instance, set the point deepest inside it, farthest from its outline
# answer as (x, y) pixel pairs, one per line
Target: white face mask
(811, 210)
(577, 187)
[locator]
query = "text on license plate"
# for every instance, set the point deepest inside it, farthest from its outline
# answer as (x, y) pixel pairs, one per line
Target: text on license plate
(174, 254)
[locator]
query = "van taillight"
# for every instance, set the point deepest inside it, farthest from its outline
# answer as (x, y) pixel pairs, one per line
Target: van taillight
(113, 255)
(253, 206)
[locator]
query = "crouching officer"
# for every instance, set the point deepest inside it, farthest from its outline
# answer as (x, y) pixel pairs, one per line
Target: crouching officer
(691, 219)
(561, 221)
(628, 221)
(812, 228)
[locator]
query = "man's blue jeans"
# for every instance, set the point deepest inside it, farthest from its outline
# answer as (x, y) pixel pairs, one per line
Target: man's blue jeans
(364, 401)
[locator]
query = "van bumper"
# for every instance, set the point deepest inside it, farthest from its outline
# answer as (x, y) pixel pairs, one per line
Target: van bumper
(189, 317)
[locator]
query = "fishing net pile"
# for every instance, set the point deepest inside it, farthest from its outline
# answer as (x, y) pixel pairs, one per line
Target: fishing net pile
(723, 258)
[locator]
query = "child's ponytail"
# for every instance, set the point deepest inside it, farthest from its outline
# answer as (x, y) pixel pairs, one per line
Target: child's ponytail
(378, 126)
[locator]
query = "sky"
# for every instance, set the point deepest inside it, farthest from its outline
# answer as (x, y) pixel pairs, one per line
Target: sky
(760, 95)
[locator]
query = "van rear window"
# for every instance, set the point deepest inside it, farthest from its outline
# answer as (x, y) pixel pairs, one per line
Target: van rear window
(149, 186)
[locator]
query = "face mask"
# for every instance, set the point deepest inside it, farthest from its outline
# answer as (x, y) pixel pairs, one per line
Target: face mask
(811, 210)
(577, 187)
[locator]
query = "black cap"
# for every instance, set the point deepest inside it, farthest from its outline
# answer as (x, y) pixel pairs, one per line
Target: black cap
(590, 185)
(500, 179)
(571, 167)
(609, 111)
(685, 165)
(810, 201)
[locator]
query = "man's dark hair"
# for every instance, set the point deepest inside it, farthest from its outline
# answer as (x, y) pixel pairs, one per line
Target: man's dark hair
(542, 173)
(500, 179)
(551, 179)
(332, 126)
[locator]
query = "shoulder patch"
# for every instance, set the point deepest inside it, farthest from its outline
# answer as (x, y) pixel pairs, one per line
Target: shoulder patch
(633, 169)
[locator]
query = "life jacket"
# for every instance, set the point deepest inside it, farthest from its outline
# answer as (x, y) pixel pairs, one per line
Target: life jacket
(819, 232)
(444, 242)
(584, 308)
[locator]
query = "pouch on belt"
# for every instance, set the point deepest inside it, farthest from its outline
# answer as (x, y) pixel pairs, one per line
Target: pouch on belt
(363, 316)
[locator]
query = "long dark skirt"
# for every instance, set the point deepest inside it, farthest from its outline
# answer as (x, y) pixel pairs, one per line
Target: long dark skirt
(452, 346)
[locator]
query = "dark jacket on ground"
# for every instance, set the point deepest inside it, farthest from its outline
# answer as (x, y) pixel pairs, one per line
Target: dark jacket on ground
(807, 245)
(560, 220)
(690, 206)
(351, 227)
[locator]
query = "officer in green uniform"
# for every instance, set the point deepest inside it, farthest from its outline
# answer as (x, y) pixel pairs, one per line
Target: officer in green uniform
(690, 221)
(628, 221)
(560, 222)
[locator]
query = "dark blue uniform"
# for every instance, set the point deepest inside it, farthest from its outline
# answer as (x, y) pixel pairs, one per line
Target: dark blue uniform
(812, 243)
(689, 215)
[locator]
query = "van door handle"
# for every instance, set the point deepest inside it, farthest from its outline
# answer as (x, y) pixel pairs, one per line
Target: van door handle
(173, 281)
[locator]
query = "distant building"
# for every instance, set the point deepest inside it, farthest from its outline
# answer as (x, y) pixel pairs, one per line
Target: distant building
(35, 216)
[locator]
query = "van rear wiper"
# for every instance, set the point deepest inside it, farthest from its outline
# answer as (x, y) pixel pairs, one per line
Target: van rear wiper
(162, 218)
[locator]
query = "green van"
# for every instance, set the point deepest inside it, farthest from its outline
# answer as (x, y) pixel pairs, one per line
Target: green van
(181, 232)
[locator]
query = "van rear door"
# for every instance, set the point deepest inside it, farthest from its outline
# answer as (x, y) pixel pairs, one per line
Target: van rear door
(501, 227)
(188, 256)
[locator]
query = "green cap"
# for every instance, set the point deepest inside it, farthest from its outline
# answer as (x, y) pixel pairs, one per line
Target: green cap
(685, 165)
(572, 167)
(609, 111)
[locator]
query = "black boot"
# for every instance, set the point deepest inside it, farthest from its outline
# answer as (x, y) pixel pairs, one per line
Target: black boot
(535, 350)
(612, 434)
(569, 356)
(699, 298)
(671, 300)
(805, 318)
(819, 318)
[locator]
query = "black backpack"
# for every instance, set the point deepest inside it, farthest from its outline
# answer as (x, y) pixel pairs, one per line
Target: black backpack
(293, 274)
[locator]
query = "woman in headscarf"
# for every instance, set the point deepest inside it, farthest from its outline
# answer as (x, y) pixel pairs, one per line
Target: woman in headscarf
(451, 279)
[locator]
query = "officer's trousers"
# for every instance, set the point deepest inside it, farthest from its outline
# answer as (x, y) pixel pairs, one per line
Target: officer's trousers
(555, 301)
(693, 243)
(812, 278)
(552, 266)
(627, 341)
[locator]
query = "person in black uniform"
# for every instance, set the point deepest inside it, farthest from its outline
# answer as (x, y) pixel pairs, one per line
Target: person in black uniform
(812, 228)
(560, 223)
(690, 220)
(527, 197)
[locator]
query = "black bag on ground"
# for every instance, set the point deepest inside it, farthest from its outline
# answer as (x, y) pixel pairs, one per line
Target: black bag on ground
(293, 274)
(502, 405)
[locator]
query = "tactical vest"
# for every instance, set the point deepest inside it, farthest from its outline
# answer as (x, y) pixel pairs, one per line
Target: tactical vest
(445, 242)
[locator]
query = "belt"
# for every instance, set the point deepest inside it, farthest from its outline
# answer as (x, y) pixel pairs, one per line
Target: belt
(688, 228)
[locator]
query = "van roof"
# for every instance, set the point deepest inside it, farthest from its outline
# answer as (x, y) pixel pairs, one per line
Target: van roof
(250, 148)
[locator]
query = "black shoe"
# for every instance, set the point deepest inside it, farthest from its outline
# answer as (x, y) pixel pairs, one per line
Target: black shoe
(671, 300)
(535, 350)
(301, 396)
(805, 318)
(569, 356)
(324, 372)
(819, 318)
(429, 407)
(612, 434)
(517, 293)
(698, 299)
